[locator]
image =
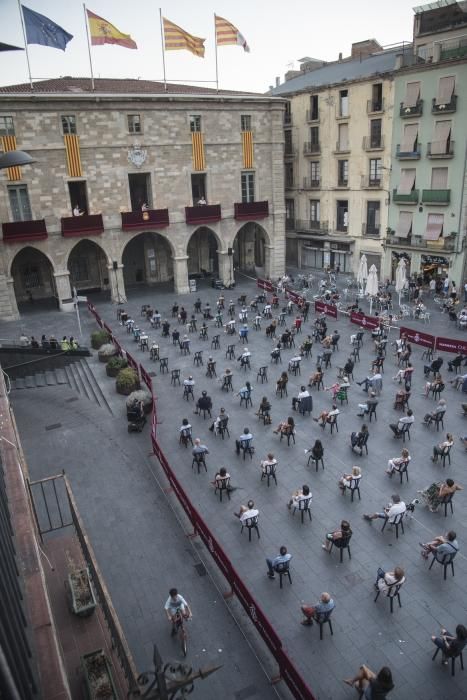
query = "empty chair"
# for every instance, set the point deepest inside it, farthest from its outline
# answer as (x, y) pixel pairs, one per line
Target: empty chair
(198, 358)
(230, 352)
(262, 374)
(175, 377)
(215, 343)
(164, 365)
(211, 369)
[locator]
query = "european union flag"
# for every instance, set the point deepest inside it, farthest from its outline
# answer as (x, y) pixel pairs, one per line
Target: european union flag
(41, 30)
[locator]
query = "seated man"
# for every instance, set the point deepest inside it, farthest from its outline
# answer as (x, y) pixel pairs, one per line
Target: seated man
(244, 358)
(305, 347)
(398, 427)
(185, 343)
(441, 545)
(243, 332)
(405, 374)
(267, 463)
(434, 367)
(359, 438)
(223, 416)
(199, 449)
(458, 381)
(245, 439)
(282, 558)
(294, 362)
(456, 362)
(246, 512)
(204, 403)
(303, 393)
(370, 381)
(365, 407)
(303, 494)
(327, 416)
(401, 399)
(324, 605)
(390, 512)
(347, 369)
(230, 327)
(436, 414)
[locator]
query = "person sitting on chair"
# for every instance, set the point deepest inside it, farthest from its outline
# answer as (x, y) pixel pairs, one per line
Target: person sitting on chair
(245, 391)
(264, 409)
(434, 367)
(248, 511)
(204, 403)
(270, 461)
(365, 407)
(451, 645)
(397, 428)
(401, 398)
(458, 381)
(394, 464)
(440, 545)
(199, 449)
(316, 378)
(456, 362)
(338, 534)
(285, 427)
(390, 512)
(372, 685)
(220, 478)
(303, 494)
(245, 437)
(347, 369)
(346, 479)
(276, 352)
(327, 416)
(369, 381)
(324, 605)
(438, 412)
(302, 394)
(434, 385)
(358, 438)
(281, 383)
(386, 579)
(214, 428)
(185, 427)
(282, 558)
(306, 346)
(434, 495)
(442, 448)
(244, 358)
(317, 451)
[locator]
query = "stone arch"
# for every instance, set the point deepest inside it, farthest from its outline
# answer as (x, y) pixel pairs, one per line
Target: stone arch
(88, 266)
(32, 271)
(250, 248)
(202, 250)
(147, 258)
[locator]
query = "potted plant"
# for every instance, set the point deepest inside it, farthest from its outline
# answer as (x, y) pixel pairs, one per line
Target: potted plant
(114, 365)
(106, 351)
(83, 600)
(127, 381)
(98, 338)
(98, 676)
(141, 395)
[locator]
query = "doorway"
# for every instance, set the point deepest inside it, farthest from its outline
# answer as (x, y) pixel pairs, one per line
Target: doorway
(140, 190)
(198, 187)
(78, 195)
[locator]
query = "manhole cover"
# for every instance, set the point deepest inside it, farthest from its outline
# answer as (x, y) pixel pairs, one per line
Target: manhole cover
(54, 426)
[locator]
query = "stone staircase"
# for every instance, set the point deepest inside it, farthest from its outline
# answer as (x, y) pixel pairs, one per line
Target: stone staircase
(78, 376)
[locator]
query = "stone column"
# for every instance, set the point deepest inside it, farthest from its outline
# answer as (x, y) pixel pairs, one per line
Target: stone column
(181, 274)
(269, 262)
(226, 273)
(117, 284)
(62, 286)
(10, 312)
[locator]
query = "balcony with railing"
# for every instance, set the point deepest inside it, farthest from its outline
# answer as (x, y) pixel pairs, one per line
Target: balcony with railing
(439, 197)
(342, 183)
(311, 226)
(371, 230)
(151, 218)
(288, 119)
(312, 116)
(251, 210)
(410, 198)
(342, 147)
(85, 225)
(409, 155)
(370, 183)
(311, 183)
(290, 224)
(375, 106)
(414, 111)
(290, 151)
(453, 48)
(310, 148)
(19, 231)
(448, 150)
(290, 183)
(373, 143)
(411, 241)
(447, 108)
(203, 214)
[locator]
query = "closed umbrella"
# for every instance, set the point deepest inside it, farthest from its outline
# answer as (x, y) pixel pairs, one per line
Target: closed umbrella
(362, 273)
(372, 285)
(401, 280)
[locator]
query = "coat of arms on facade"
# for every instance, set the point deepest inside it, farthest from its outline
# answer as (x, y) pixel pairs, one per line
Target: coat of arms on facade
(137, 155)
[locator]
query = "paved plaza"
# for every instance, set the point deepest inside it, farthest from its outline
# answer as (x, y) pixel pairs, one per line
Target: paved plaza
(134, 529)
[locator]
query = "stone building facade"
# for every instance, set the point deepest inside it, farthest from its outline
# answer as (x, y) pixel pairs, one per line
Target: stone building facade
(135, 161)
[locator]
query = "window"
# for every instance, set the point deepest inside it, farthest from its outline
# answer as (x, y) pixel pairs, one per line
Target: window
(78, 195)
(315, 172)
(412, 95)
(407, 182)
(343, 142)
(377, 97)
(245, 122)
(289, 173)
(445, 90)
(31, 276)
(79, 269)
(195, 122)
(288, 113)
(404, 224)
(198, 187)
(375, 133)
(315, 214)
(434, 227)
(248, 187)
(373, 218)
(134, 123)
(342, 212)
(410, 139)
(314, 107)
(442, 138)
(7, 127)
(19, 203)
(343, 103)
(375, 171)
(342, 173)
(290, 213)
(314, 135)
(288, 142)
(439, 179)
(140, 190)
(68, 124)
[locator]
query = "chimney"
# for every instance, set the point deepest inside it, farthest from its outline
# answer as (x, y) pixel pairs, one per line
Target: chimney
(340, 57)
(278, 81)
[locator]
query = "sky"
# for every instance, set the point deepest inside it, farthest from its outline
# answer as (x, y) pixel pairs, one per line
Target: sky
(279, 33)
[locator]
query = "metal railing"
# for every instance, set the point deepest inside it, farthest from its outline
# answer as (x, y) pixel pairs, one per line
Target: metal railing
(414, 111)
(311, 183)
(375, 106)
(312, 226)
(448, 153)
(310, 148)
(447, 108)
(409, 155)
(371, 231)
(373, 142)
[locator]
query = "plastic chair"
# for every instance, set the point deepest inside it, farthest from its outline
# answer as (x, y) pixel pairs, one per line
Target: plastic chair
(283, 570)
(289, 433)
(402, 469)
(222, 485)
(215, 342)
(230, 352)
(175, 377)
(164, 365)
(397, 522)
(269, 472)
(251, 524)
(354, 487)
(246, 397)
(445, 560)
(323, 619)
(198, 358)
(227, 383)
(186, 437)
(392, 592)
(446, 455)
(188, 391)
(372, 412)
(453, 660)
(303, 506)
(223, 428)
(247, 448)
(211, 369)
(262, 374)
(447, 501)
(341, 544)
(316, 460)
(199, 461)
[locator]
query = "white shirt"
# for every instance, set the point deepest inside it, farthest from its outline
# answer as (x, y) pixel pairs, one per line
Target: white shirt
(174, 604)
(252, 513)
(394, 510)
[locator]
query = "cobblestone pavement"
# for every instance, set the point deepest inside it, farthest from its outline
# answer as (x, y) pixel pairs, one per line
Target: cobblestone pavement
(364, 631)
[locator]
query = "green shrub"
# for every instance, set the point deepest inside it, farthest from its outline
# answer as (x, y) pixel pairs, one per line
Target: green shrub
(127, 381)
(98, 338)
(114, 365)
(106, 351)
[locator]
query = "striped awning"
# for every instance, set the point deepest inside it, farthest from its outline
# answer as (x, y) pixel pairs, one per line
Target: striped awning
(412, 94)
(445, 90)
(434, 227)
(439, 145)
(404, 225)
(409, 138)
(407, 181)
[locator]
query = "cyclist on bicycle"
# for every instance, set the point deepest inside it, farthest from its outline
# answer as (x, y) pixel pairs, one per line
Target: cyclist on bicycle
(176, 604)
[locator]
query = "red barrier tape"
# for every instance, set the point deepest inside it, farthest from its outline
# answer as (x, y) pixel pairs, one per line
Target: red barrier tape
(451, 345)
(370, 322)
(265, 284)
(132, 363)
(426, 340)
(146, 378)
(328, 309)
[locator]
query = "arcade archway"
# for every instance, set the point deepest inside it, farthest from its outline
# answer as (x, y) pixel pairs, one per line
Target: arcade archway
(147, 259)
(87, 264)
(33, 277)
(250, 248)
(202, 253)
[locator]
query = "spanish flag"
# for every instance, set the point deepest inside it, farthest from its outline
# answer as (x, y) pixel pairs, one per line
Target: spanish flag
(102, 32)
(176, 39)
(226, 33)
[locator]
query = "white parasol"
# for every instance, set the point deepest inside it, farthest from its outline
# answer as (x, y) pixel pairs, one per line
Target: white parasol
(401, 280)
(372, 285)
(362, 273)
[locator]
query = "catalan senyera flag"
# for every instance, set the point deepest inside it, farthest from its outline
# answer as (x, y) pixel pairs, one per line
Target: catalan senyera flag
(102, 32)
(226, 34)
(177, 39)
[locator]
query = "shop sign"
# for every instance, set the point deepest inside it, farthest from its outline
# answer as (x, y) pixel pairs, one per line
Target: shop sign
(434, 260)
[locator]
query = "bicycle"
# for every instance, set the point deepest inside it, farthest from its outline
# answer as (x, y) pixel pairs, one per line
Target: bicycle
(179, 627)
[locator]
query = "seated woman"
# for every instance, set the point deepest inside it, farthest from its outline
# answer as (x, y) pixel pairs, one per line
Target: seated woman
(395, 463)
(434, 494)
(268, 462)
(221, 478)
(440, 545)
(316, 378)
(303, 494)
(405, 354)
(346, 479)
(326, 416)
(334, 389)
(451, 645)
(306, 346)
(317, 451)
(340, 533)
(263, 410)
(401, 398)
(435, 384)
(442, 447)
(286, 427)
(386, 579)
(439, 410)
(357, 438)
(281, 383)
(245, 391)
(370, 684)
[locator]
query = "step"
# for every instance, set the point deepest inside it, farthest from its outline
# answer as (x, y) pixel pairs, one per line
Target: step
(71, 378)
(40, 379)
(93, 383)
(61, 376)
(50, 378)
(88, 380)
(30, 382)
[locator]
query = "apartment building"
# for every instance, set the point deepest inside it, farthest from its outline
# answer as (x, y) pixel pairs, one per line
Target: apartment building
(337, 128)
(136, 184)
(427, 217)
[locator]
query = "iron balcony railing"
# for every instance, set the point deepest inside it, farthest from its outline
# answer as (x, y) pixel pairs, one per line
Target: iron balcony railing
(415, 111)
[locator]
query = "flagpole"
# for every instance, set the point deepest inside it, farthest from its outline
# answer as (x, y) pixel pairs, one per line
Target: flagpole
(163, 49)
(25, 43)
(89, 46)
(215, 47)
